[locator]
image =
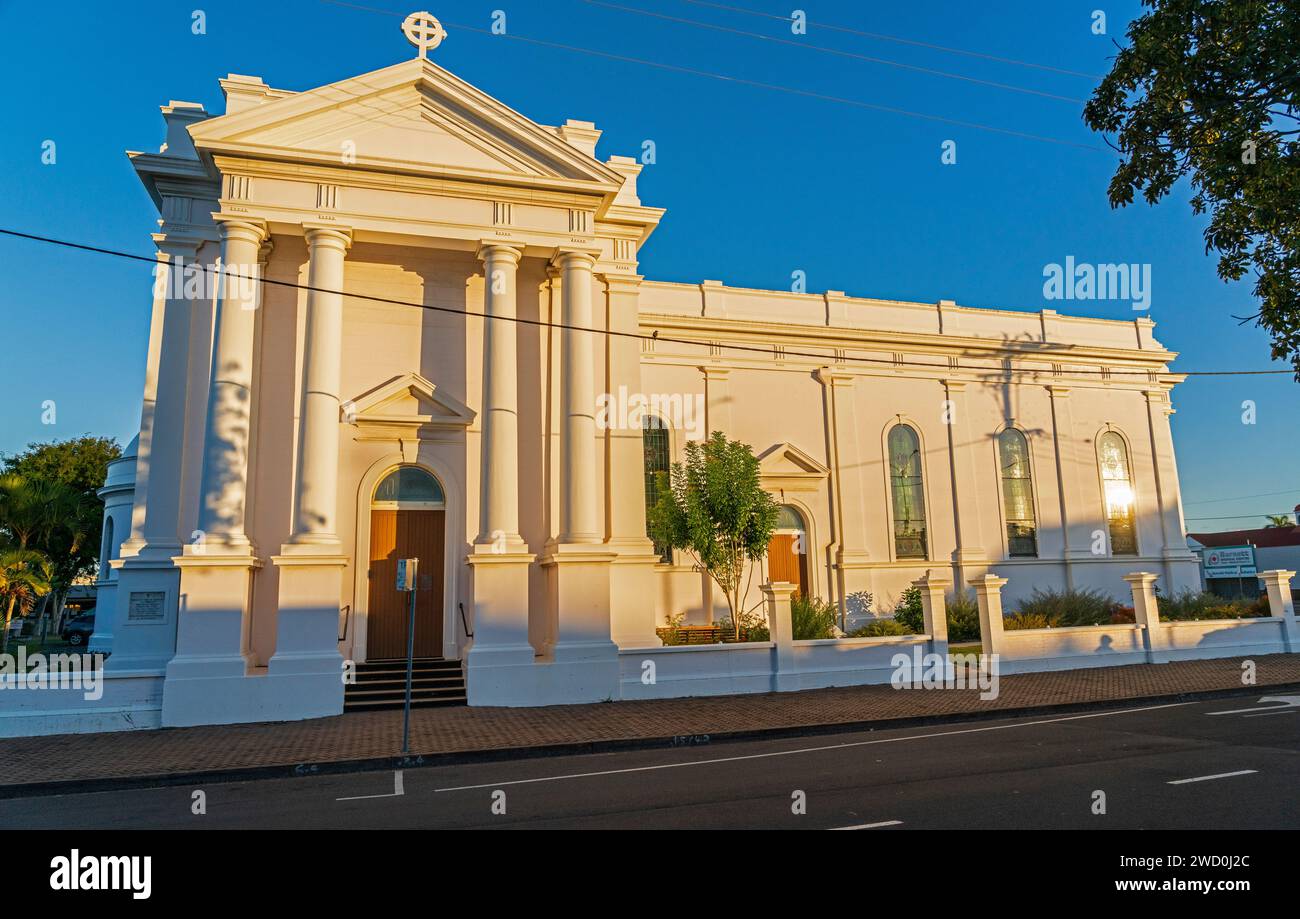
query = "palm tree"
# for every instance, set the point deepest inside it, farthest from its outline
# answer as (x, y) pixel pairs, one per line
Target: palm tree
(1278, 520)
(24, 576)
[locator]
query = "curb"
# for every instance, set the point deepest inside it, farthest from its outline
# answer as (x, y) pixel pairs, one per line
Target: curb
(457, 758)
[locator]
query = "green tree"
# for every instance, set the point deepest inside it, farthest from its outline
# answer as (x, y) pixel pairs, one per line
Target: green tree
(49, 503)
(1207, 90)
(24, 576)
(1278, 520)
(715, 509)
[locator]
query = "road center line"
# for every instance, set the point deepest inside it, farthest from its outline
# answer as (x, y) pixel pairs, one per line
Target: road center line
(1207, 778)
(841, 746)
(869, 826)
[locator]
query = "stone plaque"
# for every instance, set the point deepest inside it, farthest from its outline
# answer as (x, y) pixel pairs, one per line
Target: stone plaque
(146, 606)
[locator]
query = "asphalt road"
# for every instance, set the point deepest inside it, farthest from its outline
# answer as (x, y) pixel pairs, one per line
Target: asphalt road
(1168, 767)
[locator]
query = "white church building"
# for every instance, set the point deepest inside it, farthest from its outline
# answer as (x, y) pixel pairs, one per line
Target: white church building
(431, 340)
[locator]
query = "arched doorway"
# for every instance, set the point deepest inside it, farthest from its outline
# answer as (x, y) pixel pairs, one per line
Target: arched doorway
(407, 520)
(787, 553)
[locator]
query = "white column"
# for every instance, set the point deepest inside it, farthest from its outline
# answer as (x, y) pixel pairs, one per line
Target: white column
(579, 472)
(1280, 604)
(499, 477)
(230, 397)
(163, 442)
(969, 558)
(933, 587)
(988, 594)
(776, 600)
(1146, 613)
(632, 578)
(315, 516)
(500, 664)
(1074, 532)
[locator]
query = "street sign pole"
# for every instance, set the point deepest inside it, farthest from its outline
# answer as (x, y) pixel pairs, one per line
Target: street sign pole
(406, 581)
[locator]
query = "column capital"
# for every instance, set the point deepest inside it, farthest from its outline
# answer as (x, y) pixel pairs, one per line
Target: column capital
(715, 373)
(987, 582)
(1058, 392)
(954, 385)
(174, 244)
(575, 257)
(490, 248)
(828, 377)
(620, 283)
(241, 227)
(1141, 578)
(329, 235)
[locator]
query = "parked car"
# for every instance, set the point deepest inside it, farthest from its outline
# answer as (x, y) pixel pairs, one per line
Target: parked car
(78, 631)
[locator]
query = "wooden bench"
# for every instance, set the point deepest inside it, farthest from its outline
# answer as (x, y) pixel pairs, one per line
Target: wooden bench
(692, 635)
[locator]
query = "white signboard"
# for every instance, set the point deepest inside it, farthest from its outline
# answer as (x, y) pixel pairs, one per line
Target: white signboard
(1229, 562)
(406, 573)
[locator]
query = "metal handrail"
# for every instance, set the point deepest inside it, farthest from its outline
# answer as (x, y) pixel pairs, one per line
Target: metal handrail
(347, 618)
(464, 624)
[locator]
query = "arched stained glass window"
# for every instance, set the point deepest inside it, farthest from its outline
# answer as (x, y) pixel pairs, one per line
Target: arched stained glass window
(654, 440)
(1017, 494)
(1117, 485)
(409, 485)
(908, 492)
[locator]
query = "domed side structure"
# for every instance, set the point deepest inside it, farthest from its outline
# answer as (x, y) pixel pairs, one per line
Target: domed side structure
(118, 494)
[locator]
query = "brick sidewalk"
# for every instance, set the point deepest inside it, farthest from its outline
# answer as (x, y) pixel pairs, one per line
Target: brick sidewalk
(375, 737)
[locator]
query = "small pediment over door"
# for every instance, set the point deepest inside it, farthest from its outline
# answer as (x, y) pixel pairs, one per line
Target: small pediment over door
(784, 467)
(407, 407)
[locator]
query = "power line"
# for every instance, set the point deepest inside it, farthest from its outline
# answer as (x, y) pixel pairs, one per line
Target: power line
(757, 84)
(902, 41)
(824, 49)
(766, 352)
(1243, 516)
(1267, 494)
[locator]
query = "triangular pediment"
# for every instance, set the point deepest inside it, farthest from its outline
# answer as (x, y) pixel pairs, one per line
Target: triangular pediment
(785, 466)
(413, 116)
(406, 402)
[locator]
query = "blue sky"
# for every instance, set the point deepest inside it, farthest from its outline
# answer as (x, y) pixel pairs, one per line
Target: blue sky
(749, 176)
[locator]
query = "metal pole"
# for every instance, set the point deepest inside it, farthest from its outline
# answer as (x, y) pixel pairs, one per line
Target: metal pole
(410, 667)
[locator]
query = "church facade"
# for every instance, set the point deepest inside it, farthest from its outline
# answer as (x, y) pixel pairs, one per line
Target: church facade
(429, 338)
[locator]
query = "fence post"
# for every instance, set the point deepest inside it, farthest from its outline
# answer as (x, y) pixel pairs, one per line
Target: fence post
(1280, 604)
(933, 585)
(988, 594)
(776, 598)
(1146, 612)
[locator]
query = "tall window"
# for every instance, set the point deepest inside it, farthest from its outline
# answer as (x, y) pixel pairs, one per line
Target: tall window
(1117, 487)
(654, 439)
(908, 493)
(1017, 494)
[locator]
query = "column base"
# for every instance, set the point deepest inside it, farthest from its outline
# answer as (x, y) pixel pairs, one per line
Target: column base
(632, 610)
(204, 679)
(144, 627)
(581, 664)
(498, 666)
(306, 671)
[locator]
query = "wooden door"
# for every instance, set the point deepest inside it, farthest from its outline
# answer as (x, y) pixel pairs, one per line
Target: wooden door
(786, 563)
(398, 534)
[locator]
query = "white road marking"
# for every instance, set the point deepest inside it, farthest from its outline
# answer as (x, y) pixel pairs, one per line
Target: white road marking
(1207, 778)
(398, 790)
(1289, 703)
(869, 826)
(841, 746)
(1277, 711)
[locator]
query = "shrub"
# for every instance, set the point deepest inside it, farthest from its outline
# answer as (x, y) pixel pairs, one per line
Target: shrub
(963, 618)
(753, 627)
(1026, 621)
(1193, 605)
(810, 618)
(1064, 608)
(908, 612)
(879, 628)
